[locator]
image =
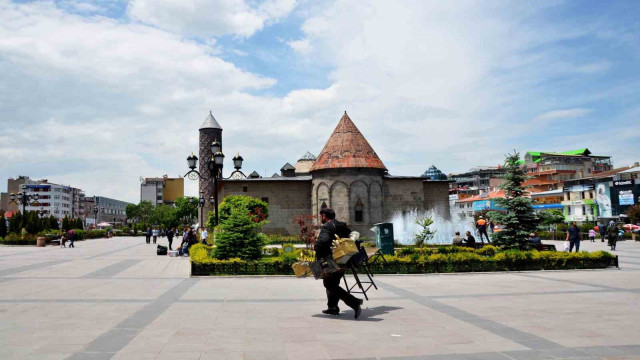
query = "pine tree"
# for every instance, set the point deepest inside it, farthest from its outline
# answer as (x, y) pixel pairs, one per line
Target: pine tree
(53, 223)
(518, 219)
(238, 237)
(33, 222)
(65, 223)
(3, 226)
(14, 223)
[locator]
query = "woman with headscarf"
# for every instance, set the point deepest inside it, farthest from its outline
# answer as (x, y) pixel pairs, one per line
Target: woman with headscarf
(612, 233)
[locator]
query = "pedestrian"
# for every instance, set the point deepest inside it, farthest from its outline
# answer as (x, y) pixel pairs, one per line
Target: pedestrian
(592, 235)
(603, 231)
(155, 235)
(612, 233)
(203, 236)
(188, 240)
(481, 225)
(457, 240)
(470, 239)
(170, 238)
(63, 239)
(148, 235)
(491, 226)
(573, 237)
(72, 238)
(330, 228)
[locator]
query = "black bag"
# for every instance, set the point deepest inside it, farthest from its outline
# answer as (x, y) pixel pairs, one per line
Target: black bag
(324, 267)
(162, 250)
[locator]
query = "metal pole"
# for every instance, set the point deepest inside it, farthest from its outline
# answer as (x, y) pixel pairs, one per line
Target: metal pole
(24, 203)
(215, 195)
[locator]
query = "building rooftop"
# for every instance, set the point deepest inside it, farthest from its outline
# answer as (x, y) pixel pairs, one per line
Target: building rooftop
(210, 123)
(280, 178)
(287, 166)
(308, 157)
(347, 148)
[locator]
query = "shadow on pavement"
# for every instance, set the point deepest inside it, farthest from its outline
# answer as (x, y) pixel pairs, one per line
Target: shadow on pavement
(368, 314)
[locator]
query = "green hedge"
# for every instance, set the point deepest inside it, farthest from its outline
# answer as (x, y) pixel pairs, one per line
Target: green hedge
(416, 261)
(15, 239)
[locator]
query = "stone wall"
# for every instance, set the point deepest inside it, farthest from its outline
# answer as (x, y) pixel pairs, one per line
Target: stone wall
(436, 197)
(287, 199)
(402, 194)
(347, 192)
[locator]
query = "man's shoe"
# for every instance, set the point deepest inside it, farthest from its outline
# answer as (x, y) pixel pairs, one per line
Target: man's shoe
(358, 311)
(331, 311)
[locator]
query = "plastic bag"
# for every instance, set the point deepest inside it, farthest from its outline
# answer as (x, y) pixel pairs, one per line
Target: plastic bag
(566, 245)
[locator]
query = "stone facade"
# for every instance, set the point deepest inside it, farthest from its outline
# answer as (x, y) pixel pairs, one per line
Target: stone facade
(348, 177)
(210, 130)
(287, 199)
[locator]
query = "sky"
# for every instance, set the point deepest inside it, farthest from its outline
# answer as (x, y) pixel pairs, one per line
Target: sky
(96, 94)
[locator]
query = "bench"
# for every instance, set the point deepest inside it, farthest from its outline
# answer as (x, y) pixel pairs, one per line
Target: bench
(543, 247)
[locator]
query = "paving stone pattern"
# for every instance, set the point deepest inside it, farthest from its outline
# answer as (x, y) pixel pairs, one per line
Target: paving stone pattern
(115, 299)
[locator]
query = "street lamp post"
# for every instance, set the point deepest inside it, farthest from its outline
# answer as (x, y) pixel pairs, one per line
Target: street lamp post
(24, 199)
(95, 216)
(215, 165)
(42, 212)
(201, 203)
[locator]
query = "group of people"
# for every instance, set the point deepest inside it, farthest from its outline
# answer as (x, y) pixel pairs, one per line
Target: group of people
(481, 226)
(612, 232)
(67, 236)
(189, 237)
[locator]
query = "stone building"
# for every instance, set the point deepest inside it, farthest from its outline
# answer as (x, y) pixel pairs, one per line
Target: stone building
(347, 176)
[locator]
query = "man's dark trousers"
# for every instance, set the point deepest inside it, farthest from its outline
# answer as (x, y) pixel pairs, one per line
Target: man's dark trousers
(574, 242)
(335, 293)
(484, 231)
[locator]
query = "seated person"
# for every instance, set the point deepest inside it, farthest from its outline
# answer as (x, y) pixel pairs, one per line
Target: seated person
(534, 239)
(457, 240)
(470, 239)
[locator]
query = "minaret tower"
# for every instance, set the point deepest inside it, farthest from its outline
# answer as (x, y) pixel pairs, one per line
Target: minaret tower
(210, 130)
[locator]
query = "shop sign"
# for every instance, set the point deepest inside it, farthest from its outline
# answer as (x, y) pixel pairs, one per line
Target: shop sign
(577, 188)
(572, 202)
(623, 183)
(625, 197)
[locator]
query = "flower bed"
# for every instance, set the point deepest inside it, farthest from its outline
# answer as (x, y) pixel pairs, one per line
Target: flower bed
(443, 259)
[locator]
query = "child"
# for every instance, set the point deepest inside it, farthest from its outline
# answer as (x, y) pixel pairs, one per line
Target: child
(592, 235)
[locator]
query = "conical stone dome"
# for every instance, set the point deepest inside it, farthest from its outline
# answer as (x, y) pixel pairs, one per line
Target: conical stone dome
(347, 148)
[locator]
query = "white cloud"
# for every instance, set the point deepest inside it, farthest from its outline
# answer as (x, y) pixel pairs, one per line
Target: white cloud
(302, 46)
(562, 114)
(205, 18)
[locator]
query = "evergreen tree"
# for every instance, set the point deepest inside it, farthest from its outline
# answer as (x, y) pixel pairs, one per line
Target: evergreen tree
(23, 220)
(32, 224)
(53, 223)
(3, 226)
(518, 219)
(14, 223)
(65, 223)
(238, 237)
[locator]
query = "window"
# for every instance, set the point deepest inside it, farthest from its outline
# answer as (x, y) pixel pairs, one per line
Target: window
(265, 199)
(359, 211)
(245, 188)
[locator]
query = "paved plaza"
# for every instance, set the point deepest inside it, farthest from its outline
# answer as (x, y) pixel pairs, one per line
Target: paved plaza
(115, 299)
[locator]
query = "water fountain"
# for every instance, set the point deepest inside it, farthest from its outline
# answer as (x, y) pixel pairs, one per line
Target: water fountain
(404, 226)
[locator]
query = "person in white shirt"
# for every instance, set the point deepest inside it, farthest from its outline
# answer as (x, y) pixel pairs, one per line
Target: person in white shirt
(155, 235)
(203, 236)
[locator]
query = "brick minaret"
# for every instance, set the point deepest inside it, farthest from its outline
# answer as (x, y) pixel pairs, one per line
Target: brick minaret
(210, 130)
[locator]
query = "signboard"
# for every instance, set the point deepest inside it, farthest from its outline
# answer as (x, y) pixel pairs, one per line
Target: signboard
(572, 202)
(481, 205)
(578, 188)
(547, 206)
(625, 197)
(603, 199)
(623, 183)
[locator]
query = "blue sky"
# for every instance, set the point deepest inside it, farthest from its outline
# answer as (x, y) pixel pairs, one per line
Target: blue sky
(98, 93)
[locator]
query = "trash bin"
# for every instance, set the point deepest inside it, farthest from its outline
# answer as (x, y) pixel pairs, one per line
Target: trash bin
(384, 237)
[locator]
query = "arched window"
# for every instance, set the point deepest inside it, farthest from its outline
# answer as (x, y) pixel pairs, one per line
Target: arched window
(359, 208)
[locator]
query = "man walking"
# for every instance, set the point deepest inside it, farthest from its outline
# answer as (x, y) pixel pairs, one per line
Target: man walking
(481, 225)
(330, 228)
(155, 235)
(573, 237)
(148, 235)
(170, 237)
(603, 231)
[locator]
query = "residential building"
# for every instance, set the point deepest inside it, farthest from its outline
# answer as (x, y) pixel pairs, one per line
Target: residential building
(549, 170)
(477, 180)
(161, 190)
(13, 186)
(602, 196)
(110, 211)
(58, 200)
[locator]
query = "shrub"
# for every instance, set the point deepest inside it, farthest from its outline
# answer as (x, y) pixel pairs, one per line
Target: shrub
(487, 250)
(126, 230)
(238, 238)
(15, 239)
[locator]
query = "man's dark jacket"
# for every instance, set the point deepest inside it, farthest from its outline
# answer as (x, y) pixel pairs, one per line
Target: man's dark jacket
(328, 233)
